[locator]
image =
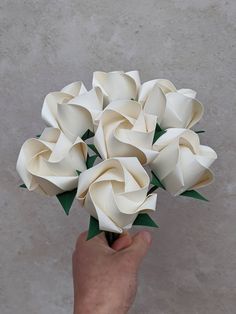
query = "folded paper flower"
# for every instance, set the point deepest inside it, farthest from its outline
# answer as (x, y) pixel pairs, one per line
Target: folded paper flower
(114, 192)
(125, 130)
(117, 85)
(173, 108)
(48, 164)
(182, 163)
(73, 109)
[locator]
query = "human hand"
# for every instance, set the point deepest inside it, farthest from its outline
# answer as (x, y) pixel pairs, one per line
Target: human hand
(105, 278)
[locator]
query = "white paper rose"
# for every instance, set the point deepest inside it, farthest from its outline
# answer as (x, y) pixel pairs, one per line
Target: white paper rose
(124, 130)
(117, 85)
(48, 164)
(182, 163)
(73, 109)
(173, 108)
(114, 192)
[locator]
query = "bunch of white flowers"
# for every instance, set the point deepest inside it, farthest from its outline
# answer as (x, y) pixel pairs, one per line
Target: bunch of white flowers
(124, 126)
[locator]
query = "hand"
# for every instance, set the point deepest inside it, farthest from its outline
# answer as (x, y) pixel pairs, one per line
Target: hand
(105, 278)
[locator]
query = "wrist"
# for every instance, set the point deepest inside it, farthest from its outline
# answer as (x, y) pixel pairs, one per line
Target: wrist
(89, 306)
(98, 309)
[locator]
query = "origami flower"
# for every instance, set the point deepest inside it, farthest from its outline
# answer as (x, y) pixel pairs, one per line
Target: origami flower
(182, 163)
(114, 192)
(48, 164)
(117, 85)
(73, 109)
(173, 108)
(125, 130)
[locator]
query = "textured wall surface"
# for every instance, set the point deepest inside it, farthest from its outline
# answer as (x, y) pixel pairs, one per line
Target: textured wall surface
(191, 267)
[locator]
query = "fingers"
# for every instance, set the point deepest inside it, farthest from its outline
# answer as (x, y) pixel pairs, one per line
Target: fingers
(98, 243)
(140, 245)
(135, 247)
(122, 242)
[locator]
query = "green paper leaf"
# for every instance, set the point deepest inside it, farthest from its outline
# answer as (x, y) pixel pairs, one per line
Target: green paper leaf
(94, 149)
(38, 135)
(78, 172)
(157, 135)
(156, 182)
(93, 228)
(194, 194)
(201, 131)
(66, 199)
(158, 128)
(87, 135)
(90, 161)
(145, 220)
(23, 186)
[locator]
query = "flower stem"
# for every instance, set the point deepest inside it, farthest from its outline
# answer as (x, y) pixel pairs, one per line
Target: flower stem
(111, 237)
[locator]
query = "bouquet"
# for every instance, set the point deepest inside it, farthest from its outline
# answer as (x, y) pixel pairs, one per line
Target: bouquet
(112, 147)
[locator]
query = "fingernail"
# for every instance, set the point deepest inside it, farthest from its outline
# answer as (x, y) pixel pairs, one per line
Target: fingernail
(146, 236)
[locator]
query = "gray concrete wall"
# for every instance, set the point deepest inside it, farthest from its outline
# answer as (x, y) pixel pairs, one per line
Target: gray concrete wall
(191, 268)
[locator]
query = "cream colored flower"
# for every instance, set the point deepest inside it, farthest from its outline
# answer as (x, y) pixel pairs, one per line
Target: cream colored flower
(73, 109)
(48, 164)
(117, 85)
(124, 130)
(173, 108)
(182, 163)
(114, 192)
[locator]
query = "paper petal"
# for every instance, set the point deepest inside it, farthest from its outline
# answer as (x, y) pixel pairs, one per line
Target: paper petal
(73, 110)
(124, 130)
(48, 164)
(182, 163)
(125, 183)
(116, 85)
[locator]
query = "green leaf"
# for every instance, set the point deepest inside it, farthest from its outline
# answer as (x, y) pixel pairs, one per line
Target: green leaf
(158, 128)
(23, 186)
(78, 172)
(94, 149)
(194, 194)
(38, 135)
(156, 182)
(145, 220)
(90, 161)
(158, 133)
(201, 131)
(93, 228)
(66, 199)
(87, 135)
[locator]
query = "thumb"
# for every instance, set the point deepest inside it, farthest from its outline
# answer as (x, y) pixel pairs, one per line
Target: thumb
(140, 245)
(122, 242)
